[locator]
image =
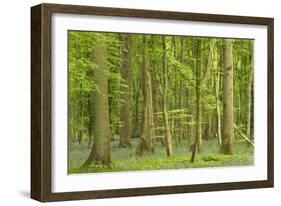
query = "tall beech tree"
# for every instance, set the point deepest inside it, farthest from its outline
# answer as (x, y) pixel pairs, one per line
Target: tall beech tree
(101, 150)
(181, 92)
(197, 145)
(227, 146)
(250, 96)
(167, 132)
(125, 129)
(217, 81)
(147, 132)
(156, 91)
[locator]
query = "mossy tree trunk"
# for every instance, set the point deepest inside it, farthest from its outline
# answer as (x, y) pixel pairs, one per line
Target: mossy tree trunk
(227, 146)
(101, 152)
(145, 144)
(125, 129)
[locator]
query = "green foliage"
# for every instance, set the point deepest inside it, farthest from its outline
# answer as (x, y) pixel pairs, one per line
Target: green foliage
(182, 58)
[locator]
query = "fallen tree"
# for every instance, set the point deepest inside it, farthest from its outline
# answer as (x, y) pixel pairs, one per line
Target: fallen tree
(243, 136)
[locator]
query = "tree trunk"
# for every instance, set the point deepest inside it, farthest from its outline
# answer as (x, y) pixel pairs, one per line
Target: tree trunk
(249, 103)
(156, 94)
(168, 136)
(136, 84)
(181, 91)
(198, 96)
(180, 123)
(190, 94)
(81, 117)
(90, 123)
(175, 101)
(210, 62)
(145, 144)
(217, 85)
(80, 112)
(228, 122)
(207, 83)
(101, 152)
(197, 147)
(125, 129)
(190, 128)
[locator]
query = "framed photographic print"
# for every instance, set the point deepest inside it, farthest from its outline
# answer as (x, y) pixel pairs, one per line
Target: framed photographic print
(130, 102)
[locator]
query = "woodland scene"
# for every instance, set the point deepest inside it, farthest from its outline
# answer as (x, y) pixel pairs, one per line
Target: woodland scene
(149, 102)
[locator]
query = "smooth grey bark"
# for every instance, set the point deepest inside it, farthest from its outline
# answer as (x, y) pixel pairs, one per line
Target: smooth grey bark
(101, 151)
(147, 133)
(227, 146)
(125, 129)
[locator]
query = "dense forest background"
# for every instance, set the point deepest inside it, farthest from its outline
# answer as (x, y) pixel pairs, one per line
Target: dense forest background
(140, 102)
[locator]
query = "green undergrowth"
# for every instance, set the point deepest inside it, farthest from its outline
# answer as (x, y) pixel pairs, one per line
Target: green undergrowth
(126, 160)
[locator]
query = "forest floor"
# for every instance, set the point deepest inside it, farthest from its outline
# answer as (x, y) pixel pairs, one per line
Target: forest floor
(126, 160)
